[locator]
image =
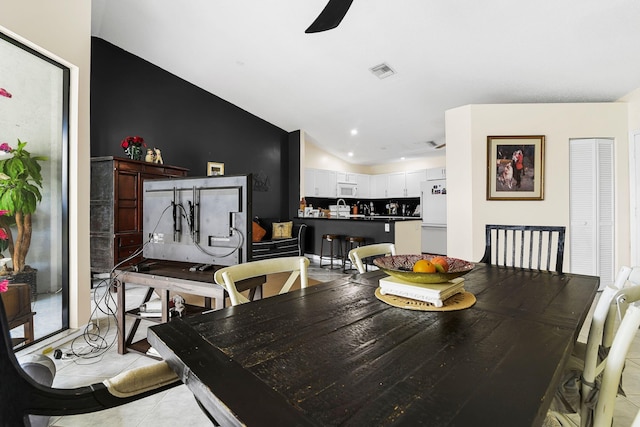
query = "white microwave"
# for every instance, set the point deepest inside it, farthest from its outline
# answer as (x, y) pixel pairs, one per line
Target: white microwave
(347, 189)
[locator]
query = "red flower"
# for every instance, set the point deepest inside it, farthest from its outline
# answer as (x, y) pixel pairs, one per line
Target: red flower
(5, 147)
(4, 285)
(3, 92)
(3, 234)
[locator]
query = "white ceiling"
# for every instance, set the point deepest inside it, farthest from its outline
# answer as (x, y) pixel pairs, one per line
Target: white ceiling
(447, 53)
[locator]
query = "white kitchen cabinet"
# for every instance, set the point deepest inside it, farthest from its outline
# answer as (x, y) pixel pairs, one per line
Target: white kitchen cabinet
(412, 182)
(436, 173)
(320, 183)
(405, 184)
(379, 186)
(364, 187)
(396, 184)
(346, 177)
(309, 182)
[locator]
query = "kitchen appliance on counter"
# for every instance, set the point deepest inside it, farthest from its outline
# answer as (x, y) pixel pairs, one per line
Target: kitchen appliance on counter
(339, 211)
(433, 201)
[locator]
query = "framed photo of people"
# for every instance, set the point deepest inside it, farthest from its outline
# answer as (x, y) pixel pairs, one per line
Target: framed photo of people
(515, 167)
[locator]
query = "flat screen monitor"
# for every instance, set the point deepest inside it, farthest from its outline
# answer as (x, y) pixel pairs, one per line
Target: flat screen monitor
(198, 220)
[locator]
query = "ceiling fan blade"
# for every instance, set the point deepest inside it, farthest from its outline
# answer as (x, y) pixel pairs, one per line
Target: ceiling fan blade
(330, 16)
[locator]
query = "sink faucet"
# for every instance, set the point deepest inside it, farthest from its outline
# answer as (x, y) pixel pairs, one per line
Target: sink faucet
(343, 204)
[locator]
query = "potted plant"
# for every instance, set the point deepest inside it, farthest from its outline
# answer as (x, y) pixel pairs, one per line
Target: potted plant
(20, 184)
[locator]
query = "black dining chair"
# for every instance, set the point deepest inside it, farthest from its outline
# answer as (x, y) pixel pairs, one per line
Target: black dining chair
(537, 247)
(21, 395)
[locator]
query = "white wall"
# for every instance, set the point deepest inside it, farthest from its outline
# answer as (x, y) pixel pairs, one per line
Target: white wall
(63, 28)
(467, 129)
(317, 158)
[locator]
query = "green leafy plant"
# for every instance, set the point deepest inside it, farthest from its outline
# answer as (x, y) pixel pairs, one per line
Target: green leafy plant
(20, 184)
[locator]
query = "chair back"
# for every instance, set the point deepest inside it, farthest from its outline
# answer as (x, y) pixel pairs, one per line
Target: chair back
(535, 247)
(603, 413)
(21, 395)
(612, 307)
(228, 276)
(357, 255)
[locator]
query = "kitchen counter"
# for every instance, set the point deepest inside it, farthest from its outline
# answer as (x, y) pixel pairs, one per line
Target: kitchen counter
(404, 232)
(366, 218)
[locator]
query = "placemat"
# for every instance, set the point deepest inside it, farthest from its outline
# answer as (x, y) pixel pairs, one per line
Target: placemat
(456, 302)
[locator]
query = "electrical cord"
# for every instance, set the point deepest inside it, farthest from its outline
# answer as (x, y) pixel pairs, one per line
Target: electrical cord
(94, 342)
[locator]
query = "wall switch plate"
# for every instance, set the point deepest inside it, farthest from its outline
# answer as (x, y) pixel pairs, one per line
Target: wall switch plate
(386, 227)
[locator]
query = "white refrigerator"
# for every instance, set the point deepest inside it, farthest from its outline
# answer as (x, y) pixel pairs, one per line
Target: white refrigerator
(433, 201)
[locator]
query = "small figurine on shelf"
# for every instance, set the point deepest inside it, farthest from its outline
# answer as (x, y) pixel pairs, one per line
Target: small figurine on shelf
(150, 157)
(158, 156)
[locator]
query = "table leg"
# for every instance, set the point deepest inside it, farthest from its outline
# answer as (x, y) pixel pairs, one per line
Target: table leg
(120, 314)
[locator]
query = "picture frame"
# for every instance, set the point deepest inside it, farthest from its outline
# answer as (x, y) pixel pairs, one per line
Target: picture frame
(215, 169)
(515, 167)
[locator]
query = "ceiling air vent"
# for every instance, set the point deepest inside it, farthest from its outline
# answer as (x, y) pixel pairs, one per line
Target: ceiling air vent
(382, 71)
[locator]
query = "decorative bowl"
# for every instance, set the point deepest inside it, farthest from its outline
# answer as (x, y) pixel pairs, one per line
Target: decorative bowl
(401, 266)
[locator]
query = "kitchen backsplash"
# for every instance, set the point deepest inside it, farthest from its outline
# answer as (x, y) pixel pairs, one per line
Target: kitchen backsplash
(401, 206)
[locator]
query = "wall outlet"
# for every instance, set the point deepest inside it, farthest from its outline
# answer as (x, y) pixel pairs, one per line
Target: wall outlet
(386, 227)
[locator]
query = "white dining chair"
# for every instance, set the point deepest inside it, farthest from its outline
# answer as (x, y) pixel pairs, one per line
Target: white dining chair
(228, 276)
(581, 390)
(356, 255)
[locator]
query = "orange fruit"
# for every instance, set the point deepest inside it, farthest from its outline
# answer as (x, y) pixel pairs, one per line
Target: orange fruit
(442, 266)
(424, 266)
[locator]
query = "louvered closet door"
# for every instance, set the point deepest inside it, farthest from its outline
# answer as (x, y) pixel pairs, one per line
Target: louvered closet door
(591, 234)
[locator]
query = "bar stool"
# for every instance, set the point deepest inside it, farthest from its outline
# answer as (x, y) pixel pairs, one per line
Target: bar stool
(350, 242)
(331, 239)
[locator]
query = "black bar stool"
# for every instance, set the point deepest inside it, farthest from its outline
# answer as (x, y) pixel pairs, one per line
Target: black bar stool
(331, 239)
(350, 242)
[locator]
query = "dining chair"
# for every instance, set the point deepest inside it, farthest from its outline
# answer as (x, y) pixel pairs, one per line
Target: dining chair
(537, 247)
(582, 387)
(228, 276)
(21, 395)
(357, 255)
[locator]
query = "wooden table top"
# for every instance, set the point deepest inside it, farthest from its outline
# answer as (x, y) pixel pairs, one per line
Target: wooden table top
(333, 354)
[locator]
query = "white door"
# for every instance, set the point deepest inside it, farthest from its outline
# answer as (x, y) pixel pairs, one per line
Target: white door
(591, 205)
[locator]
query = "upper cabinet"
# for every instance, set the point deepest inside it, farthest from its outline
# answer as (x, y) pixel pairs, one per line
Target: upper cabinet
(364, 187)
(320, 183)
(436, 173)
(379, 186)
(323, 183)
(413, 180)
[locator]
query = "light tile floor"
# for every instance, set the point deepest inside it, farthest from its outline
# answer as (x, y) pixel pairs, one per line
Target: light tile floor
(177, 407)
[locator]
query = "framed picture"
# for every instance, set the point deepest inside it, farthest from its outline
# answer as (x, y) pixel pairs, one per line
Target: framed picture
(515, 167)
(215, 169)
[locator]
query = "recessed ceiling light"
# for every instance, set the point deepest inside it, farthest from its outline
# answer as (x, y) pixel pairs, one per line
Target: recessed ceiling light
(350, 154)
(401, 158)
(354, 131)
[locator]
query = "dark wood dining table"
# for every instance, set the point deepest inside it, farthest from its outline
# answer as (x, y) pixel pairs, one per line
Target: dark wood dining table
(334, 354)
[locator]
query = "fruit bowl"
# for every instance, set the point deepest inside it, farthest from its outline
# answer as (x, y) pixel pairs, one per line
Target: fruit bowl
(401, 266)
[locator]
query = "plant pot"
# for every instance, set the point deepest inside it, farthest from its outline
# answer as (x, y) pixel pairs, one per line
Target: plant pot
(28, 276)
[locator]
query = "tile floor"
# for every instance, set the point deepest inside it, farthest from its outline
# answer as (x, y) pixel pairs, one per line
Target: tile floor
(177, 407)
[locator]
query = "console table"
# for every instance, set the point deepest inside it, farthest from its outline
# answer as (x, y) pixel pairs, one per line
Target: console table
(165, 277)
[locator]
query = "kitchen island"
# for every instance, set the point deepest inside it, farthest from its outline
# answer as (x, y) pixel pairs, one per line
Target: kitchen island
(404, 232)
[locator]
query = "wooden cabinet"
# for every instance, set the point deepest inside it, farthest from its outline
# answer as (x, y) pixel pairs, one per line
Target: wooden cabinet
(116, 208)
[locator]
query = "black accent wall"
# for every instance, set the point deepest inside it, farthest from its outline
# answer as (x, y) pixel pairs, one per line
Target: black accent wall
(130, 96)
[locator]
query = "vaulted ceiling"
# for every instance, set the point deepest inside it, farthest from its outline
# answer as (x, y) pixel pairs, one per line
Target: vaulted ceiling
(446, 53)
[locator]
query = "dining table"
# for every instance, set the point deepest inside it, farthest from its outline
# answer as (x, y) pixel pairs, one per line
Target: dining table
(337, 354)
